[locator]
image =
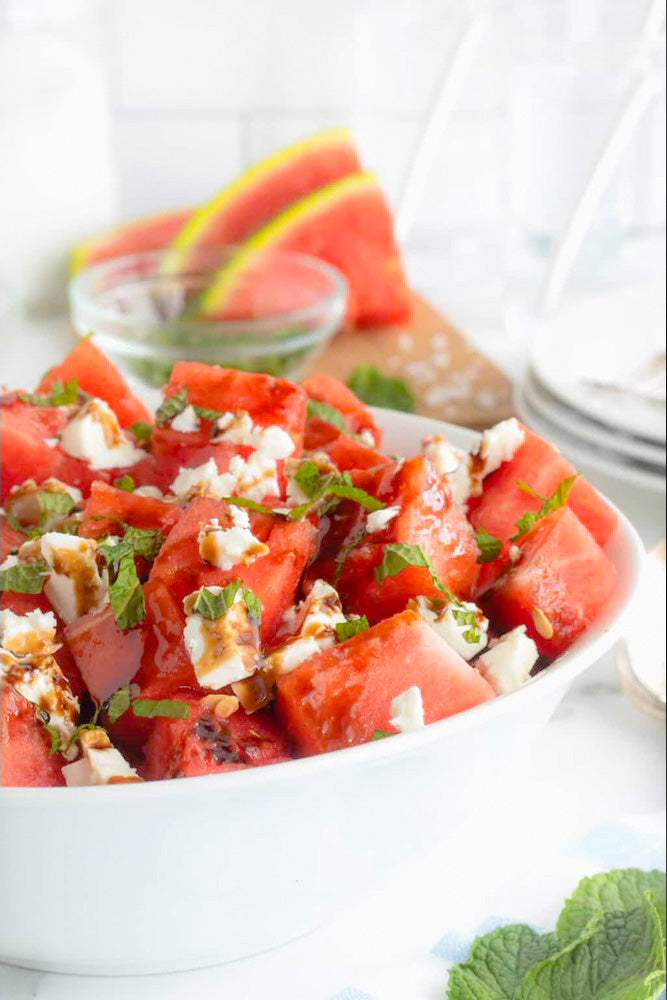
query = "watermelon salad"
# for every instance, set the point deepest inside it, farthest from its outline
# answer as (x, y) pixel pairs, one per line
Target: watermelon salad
(246, 576)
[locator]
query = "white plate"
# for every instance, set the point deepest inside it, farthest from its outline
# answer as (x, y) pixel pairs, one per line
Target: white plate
(606, 336)
(595, 433)
(174, 875)
(580, 453)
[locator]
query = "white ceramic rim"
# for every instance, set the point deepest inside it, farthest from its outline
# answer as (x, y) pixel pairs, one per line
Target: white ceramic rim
(585, 652)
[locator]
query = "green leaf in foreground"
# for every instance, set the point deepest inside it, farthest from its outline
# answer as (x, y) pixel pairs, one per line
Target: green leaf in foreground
(170, 407)
(118, 703)
(141, 430)
(498, 963)
(126, 595)
(346, 630)
(396, 557)
(549, 504)
(212, 603)
(329, 414)
(28, 579)
(146, 708)
(376, 389)
(621, 956)
(489, 546)
(58, 395)
(619, 890)
(379, 734)
(125, 483)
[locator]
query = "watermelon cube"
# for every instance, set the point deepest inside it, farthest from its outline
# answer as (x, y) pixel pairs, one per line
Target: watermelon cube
(325, 389)
(557, 587)
(25, 760)
(107, 504)
(342, 696)
(107, 658)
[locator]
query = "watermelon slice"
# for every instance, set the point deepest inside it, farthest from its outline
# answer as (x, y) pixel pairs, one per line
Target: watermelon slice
(107, 658)
(264, 191)
(150, 233)
(24, 745)
(343, 695)
(348, 224)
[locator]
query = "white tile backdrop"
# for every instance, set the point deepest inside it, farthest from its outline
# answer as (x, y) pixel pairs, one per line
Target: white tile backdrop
(201, 88)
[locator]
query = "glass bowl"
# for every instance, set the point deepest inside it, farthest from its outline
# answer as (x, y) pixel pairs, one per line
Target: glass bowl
(146, 315)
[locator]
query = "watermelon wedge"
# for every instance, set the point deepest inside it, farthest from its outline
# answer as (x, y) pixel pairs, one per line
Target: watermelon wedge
(347, 224)
(151, 233)
(263, 191)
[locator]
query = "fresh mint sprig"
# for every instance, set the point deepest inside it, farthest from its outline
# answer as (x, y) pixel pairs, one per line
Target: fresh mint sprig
(24, 579)
(549, 504)
(58, 395)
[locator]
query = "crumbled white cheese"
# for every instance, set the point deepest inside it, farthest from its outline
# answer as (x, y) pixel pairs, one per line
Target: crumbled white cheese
(152, 492)
(203, 480)
(452, 623)
(500, 444)
(514, 553)
(95, 436)
(256, 476)
(378, 520)
(33, 633)
(9, 562)
(451, 464)
(508, 661)
(221, 651)
(238, 428)
(366, 437)
(234, 546)
(323, 612)
(187, 421)
(74, 585)
(407, 711)
(295, 652)
(101, 763)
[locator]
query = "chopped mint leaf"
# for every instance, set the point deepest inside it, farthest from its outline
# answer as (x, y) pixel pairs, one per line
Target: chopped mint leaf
(549, 504)
(619, 890)
(344, 490)
(498, 963)
(309, 479)
(466, 617)
(118, 703)
(253, 604)
(258, 508)
(380, 734)
(396, 557)
(126, 595)
(329, 414)
(125, 483)
(205, 414)
(58, 395)
(166, 708)
(376, 389)
(141, 430)
(320, 490)
(170, 407)
(345, 630)
(24, 579)
(621, 954)
(42, 716)
(489, 546)
(57, 504)
(143, 541)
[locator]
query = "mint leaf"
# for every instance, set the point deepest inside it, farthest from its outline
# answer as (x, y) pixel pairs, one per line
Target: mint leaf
(619, 890)
(144, 542)
(376, 389)
(396, 557)
(28, 579)
(489, 546)
(118, 703)
(170, 407)
(380, 734)
(125, 483)
(319, 489)
(309, 479)
(462, 616)
(141, 430)
(42, 716)
(205, 414)
(253, 604)
(58, 395)
(620, 956)
(146, 708)
(329, 414)
(345, 630)
(346, 491)
(212, 604)
(498, 963)
(126, 595)
(549, 504)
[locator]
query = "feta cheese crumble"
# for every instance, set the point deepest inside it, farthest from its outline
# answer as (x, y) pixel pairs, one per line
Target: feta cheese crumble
(378, 520)
(95, 436)
(233, 546)
(463, 472)
(366, 437)
(187, 421)
(508, 661)
(221, 651)
(32, 634)
(101, 763)
(458, 624)
(322, 611)
(253, 478)
(74, 585)
(238, 428)
(406, 712)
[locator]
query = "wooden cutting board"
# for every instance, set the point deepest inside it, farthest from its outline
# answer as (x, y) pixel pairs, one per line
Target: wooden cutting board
(450, 379)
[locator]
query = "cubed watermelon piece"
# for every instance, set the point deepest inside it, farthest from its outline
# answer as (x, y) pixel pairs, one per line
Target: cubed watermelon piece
(268, 400)
(348, 453)
(24, 452)
(106, 504)
(96, 375)
(107, 658)
(558, 586)
(343, 695)
(326, 389)
(543, 468)
(25, 760)
(205, 744)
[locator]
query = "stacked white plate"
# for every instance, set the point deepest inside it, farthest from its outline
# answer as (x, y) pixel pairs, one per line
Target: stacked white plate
(595, 383)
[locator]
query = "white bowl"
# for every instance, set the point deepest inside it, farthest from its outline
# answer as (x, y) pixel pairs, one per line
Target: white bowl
(180, 874)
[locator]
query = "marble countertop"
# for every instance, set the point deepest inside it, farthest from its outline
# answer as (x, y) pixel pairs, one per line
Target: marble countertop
(600, 760)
